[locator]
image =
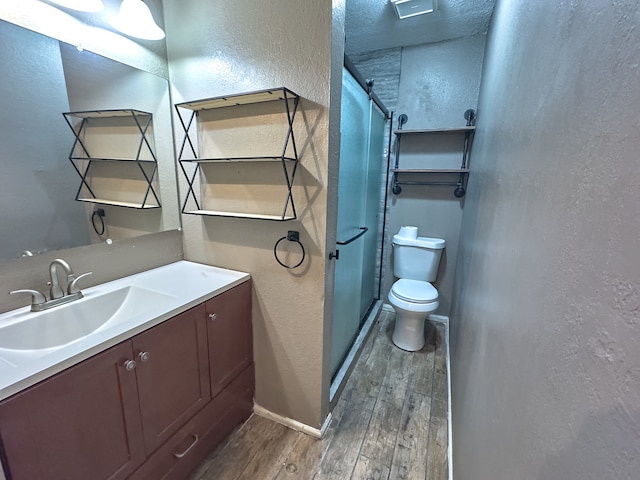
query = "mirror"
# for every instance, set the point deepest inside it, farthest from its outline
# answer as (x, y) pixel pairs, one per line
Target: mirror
(42, 79)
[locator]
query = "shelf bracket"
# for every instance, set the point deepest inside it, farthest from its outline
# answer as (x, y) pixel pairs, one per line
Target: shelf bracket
(395, 187)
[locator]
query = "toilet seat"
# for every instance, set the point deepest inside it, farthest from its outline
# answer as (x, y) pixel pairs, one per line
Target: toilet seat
(414, 291)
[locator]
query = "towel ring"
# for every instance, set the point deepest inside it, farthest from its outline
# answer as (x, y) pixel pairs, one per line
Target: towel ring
(291, 236)
(98, 212)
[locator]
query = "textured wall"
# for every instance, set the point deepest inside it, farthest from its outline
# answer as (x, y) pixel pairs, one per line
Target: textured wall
(379, 27)
(248, 46)
(546, 326)
(383, 67)
(439, 81)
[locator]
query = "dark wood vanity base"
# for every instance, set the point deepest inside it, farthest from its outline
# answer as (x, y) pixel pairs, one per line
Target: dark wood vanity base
(151, 407)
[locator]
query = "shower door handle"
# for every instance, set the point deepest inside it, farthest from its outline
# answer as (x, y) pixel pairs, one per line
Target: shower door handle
(363, 230)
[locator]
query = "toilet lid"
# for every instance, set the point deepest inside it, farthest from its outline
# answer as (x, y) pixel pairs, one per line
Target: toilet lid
(414, 291)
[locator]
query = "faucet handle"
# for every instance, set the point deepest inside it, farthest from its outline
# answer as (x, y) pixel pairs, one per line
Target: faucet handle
(37, 298)
(73, 284)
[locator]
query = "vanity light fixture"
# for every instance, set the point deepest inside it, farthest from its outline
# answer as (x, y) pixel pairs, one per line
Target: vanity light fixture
(81, 5)
(135, 19)
(411, 8)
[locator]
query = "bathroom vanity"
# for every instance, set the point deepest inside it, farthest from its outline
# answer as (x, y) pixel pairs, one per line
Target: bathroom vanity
(146, 397)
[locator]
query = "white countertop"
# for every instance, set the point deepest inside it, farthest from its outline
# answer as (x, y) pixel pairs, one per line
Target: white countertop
(184, 284)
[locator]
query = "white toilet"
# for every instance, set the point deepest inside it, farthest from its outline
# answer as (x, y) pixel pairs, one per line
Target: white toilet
(416, 260)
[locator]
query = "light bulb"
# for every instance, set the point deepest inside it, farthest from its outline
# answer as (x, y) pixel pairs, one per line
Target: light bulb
(135, 19)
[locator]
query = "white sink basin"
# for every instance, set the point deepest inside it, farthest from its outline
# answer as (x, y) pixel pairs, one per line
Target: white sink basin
(75, 320)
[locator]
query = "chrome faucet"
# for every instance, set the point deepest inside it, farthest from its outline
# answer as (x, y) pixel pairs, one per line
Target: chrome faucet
(55, 291)
(57, 296)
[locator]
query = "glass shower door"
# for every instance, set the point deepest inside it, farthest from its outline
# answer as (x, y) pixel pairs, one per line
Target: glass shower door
(355, 268)
(373, 208)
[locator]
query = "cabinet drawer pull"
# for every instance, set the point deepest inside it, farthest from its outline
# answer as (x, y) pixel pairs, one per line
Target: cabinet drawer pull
(195, 441)
(129, 365)
(144, 356)
(213, 316)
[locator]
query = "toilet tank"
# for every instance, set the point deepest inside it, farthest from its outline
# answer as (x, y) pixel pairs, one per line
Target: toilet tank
(417, 258)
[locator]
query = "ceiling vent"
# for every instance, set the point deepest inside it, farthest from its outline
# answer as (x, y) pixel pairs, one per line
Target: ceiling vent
(411, 8)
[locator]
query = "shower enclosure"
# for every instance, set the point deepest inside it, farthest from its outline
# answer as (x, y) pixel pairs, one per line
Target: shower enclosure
(362, 156)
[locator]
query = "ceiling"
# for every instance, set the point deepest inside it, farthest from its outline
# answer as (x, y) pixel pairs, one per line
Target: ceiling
(373, 24)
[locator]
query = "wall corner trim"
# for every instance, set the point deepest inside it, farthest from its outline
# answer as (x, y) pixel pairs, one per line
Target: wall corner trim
(294, 424)
(441, 319)
(445, 320)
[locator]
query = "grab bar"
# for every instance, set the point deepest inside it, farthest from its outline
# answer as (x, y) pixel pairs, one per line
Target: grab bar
(354, 238)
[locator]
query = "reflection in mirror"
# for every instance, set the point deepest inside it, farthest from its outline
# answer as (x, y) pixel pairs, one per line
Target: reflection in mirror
(42, 79)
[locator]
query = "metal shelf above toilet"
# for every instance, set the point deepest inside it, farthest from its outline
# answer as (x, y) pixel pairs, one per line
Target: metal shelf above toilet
(400, 174)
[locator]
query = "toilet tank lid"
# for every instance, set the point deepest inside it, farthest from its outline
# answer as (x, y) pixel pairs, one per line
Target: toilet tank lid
(424, 242)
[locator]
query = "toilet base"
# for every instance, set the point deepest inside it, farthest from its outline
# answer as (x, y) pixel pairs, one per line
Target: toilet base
(408, 333)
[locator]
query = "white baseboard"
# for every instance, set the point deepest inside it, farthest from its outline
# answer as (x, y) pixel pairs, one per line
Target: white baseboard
(293, 424)
(440, 319)
(450, 414)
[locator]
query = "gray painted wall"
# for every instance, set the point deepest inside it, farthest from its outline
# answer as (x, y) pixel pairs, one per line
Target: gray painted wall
(546, 322)
(433, 84)
(439, 81)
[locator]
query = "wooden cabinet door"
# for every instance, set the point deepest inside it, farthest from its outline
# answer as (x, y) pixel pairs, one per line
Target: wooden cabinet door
(173, 374)
(230, 335)
(83, 423)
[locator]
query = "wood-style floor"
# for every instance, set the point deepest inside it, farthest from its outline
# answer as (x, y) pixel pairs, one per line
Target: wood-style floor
(389, 423)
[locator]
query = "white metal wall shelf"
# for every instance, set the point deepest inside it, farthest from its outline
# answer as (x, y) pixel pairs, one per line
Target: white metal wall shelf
(400, 174)
(192, 160)
(82, 160)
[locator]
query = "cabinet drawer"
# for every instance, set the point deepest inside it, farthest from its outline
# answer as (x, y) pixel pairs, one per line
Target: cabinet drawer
(195, 440)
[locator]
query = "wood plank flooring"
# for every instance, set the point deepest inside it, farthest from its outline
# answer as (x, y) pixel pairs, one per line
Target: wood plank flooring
(389, 423)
